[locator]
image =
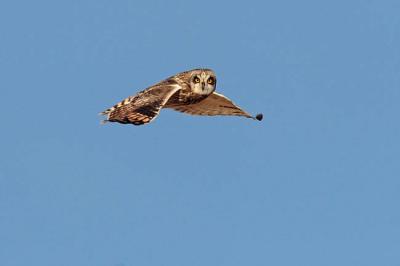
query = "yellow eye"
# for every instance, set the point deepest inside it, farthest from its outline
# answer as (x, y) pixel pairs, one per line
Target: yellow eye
(211, 80)
(196, 80)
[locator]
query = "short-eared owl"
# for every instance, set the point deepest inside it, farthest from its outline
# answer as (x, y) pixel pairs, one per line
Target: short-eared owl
(191, 92)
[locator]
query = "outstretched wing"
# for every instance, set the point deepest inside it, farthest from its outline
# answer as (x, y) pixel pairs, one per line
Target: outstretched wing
(215, 104)
(143, 107)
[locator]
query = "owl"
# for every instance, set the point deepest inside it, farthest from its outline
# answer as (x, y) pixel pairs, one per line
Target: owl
(191, 92)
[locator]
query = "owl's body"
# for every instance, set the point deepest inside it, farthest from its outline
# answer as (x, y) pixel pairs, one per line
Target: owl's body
(191, 92)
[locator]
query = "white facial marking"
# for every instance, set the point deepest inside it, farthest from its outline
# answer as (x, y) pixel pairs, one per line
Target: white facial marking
(202, 86)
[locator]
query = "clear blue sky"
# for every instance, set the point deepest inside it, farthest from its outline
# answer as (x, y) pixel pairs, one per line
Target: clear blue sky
(317, 182)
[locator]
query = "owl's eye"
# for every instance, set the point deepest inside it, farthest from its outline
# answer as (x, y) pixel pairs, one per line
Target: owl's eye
(211, 80)
(196, 80)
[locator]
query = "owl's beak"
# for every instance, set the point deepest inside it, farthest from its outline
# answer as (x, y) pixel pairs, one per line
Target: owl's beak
(203, 85)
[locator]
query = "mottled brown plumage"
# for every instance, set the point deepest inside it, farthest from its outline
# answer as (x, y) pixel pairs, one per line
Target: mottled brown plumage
(191, 92)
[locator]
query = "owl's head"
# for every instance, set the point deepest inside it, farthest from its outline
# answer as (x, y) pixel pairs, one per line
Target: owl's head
(203, 81)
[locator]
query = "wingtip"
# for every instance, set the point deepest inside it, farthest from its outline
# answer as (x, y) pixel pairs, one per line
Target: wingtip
(259, 117)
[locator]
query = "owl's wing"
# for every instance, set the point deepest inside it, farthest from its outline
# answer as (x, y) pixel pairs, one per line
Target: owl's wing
(215, 104)
(143, 107)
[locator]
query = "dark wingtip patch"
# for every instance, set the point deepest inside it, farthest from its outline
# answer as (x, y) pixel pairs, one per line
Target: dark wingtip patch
(259, 117)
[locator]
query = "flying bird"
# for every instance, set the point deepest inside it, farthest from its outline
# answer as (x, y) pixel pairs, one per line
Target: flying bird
(191, 92)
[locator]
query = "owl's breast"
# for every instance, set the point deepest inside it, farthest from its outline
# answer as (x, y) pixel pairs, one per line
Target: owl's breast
(184, 98)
